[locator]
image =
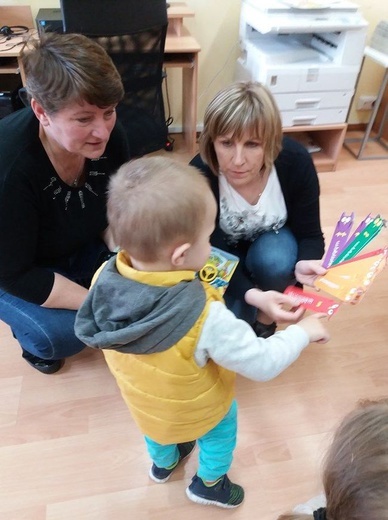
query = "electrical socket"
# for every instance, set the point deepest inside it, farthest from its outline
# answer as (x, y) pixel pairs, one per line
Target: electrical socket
(366, 102)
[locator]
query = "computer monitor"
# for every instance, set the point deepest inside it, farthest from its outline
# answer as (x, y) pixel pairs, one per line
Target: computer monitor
(113, 17)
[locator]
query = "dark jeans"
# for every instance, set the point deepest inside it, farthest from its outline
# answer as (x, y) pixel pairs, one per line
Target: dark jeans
(267, 263)
(49, 333)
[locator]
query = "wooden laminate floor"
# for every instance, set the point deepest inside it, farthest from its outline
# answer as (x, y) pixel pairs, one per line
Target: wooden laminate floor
(70, 451)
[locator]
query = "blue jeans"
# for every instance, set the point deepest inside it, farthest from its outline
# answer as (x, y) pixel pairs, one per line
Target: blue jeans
(49, 333)
(216, 448)
(267, 263)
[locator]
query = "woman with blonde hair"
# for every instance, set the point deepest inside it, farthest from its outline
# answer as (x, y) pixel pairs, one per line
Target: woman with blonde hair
(355, 473)
(267, 191)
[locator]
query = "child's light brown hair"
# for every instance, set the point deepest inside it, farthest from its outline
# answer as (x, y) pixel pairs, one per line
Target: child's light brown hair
(355, 475)
(156, 203)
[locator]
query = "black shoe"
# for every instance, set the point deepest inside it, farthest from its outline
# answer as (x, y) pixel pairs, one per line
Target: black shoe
(46, 366)
(161, 475)
(263, 330)
(222, 494)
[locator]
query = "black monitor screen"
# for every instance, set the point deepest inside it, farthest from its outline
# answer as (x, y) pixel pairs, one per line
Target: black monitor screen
(113, 17)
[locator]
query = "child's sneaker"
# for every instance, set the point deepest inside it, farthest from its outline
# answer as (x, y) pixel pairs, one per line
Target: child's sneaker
(222, 494)
(161, 475)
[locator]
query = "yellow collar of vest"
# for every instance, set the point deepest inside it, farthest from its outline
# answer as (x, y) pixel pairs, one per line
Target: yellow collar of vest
(160, 278)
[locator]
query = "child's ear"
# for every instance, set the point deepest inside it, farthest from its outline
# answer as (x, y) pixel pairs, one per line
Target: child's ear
(179, 255)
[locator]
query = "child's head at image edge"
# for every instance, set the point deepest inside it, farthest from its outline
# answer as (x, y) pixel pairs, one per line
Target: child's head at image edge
(355, 473)
(355, 476)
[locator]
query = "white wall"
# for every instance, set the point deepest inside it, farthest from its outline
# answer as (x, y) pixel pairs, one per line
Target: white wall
(215, 26)
(374, 11)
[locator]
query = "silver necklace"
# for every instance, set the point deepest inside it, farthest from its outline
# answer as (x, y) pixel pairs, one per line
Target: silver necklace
(74, 184)
(58, 165)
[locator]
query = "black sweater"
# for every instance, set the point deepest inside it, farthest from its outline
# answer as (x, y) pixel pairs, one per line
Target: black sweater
(43, 221)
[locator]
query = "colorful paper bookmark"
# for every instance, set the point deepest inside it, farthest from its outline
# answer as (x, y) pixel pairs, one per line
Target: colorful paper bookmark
(312, 301)
(350, 280)
(339, 239)
(361, 240)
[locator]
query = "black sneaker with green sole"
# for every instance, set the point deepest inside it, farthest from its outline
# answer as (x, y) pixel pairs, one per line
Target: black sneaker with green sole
(161, 475)
(222, 494)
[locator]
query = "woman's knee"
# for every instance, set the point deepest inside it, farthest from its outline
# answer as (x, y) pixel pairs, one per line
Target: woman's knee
(272, 253)
(271, 260)
(47, 343)
(46, 333)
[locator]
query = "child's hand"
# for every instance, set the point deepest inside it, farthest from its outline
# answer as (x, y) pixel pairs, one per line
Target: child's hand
(315, 329)
(274, 304)
(307, 271)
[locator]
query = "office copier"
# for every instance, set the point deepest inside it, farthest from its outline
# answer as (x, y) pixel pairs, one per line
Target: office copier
(308, 52)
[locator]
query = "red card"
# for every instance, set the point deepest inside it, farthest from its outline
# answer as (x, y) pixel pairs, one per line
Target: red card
(312, 301)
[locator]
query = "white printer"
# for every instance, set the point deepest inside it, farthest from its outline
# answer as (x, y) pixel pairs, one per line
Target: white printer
(308, 52)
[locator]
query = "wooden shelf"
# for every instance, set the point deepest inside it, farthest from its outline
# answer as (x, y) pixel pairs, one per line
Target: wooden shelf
(176, 12)
(183, 61)
(9, 66)
(329, 138)
(10, 50)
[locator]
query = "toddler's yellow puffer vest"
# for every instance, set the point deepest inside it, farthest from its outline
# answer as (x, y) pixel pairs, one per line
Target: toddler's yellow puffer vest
(171, 399)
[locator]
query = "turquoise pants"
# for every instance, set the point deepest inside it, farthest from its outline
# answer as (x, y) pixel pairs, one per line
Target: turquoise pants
(216, 448)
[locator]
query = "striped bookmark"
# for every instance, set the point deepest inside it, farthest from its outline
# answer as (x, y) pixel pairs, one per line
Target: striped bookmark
(339, 239)
(361, 240)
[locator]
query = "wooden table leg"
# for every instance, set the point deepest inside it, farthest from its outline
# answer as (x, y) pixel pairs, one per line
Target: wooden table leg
(189, 104)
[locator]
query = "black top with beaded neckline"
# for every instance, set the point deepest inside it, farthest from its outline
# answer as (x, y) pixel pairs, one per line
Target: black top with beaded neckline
(43, 220)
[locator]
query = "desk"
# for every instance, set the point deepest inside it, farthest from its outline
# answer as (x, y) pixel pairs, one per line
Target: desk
(175, 14)
(381, 59)
(10, 50)
(10, 59)
(181, 51)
